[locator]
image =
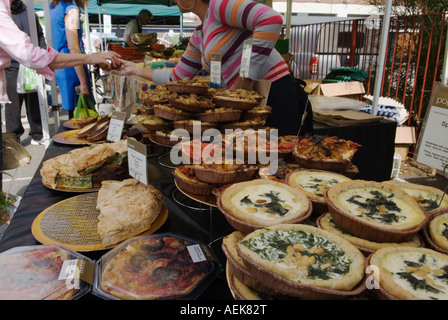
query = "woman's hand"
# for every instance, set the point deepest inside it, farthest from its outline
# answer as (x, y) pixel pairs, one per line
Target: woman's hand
(126, 68)
(110, 59)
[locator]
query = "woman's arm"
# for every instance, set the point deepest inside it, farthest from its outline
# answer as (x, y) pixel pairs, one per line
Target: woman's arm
(71, 20)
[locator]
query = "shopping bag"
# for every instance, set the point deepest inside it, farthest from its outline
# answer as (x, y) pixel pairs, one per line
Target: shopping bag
(85, 108)
(27, 80)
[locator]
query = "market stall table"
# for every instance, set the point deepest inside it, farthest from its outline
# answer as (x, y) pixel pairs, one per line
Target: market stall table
(199, 222)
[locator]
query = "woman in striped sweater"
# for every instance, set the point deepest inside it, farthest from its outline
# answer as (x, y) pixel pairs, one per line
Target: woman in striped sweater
(226, 24)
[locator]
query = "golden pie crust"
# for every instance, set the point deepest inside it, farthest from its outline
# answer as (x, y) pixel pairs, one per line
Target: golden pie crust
(299, 256)
(263, 202)
(409, 273)
(327, 223)
(375, 204)
(166, 111)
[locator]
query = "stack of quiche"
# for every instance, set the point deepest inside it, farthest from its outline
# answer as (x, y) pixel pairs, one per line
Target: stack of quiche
(188, 102)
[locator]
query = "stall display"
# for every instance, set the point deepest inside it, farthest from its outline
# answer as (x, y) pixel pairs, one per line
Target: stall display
(305, 230)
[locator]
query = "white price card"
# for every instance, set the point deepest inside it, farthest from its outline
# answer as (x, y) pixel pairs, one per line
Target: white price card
(196, 253)
(137, 160)
(215, 69)
(116, 124)
(245, 58)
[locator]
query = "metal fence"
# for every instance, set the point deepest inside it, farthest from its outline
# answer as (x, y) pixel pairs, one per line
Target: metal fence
(413, 62)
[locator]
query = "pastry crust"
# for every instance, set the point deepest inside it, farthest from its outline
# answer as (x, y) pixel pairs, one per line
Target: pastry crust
(409, 273)
(127, 208)
(438, 230)
(327, 223)
(371, 203)
(303, 256)
(263, 202)
(426, 196)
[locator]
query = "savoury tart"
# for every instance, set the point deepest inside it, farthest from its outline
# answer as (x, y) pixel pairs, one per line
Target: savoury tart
(408, 273)
(191, 102)
(303, 261)
(259, 112)
(375, 211)
(224, 173)
(152, 122)
(429, 198)
(219, 115)
(187, 181)
(260, 202)
(166, 111)
(367, 247)
(188, 85)
(193, 126)
(314, 183)
(323, 152)
(237, 268)
(437, 231)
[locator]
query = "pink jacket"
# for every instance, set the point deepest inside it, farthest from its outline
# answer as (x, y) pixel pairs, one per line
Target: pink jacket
(17, 44)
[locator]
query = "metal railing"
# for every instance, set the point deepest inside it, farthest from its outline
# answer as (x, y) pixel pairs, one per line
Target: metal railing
(413, 62)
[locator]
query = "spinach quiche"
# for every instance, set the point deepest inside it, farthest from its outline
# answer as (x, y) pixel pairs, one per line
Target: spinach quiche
(409, 273)
(263, 202)
(429, 198)
(303, 261)
(375, 211)
(438, 230)
(314, 183)
(327, 223)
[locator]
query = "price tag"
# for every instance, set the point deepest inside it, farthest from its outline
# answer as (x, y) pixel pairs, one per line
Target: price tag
(245, 58)
(116, 124)
(215, 70)
(137, 160)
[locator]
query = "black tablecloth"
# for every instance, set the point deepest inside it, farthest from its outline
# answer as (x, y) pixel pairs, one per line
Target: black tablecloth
(203, 223)
(186, 217)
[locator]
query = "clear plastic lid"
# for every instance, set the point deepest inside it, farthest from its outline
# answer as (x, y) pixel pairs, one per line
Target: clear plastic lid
(158, 266)
(42, 272)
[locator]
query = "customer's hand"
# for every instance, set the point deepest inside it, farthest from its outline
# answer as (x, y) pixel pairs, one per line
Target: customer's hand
(126, 68)
(110, 59)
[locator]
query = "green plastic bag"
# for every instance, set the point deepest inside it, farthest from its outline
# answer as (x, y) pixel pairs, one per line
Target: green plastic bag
(85, 108)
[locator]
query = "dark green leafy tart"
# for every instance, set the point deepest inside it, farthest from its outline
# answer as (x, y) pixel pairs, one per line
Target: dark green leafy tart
(298, 256)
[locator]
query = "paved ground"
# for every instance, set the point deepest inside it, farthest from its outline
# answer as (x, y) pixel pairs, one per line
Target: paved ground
(23, 175)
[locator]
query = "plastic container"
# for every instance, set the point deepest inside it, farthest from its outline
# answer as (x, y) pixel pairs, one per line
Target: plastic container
(155, 267)
(42, 272)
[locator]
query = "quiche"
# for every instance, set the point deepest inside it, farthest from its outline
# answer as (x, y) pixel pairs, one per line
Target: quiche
(327, 223)
(409, 273)
(429, 198)
(224, 172)
(167, 112)
(154, 267)
(263, 202)
(375, 211)
(241, 277)
(32, 273)
(438, 230)
(314, 183)
(158, 95)
(323, 152)
(298, 259)
(152, 122)
(186, 180)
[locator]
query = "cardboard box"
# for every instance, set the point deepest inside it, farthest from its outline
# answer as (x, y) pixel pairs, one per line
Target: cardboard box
(404, 138)
(352, 89)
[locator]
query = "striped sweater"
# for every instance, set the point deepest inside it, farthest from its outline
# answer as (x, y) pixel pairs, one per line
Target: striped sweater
(228, 23)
